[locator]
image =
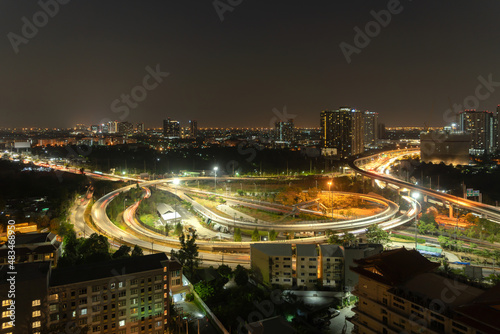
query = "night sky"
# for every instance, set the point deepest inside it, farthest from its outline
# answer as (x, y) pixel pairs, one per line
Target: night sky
(263, 55)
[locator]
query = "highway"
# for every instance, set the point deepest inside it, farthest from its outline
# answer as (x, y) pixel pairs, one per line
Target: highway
(148, 241)
(485, 210)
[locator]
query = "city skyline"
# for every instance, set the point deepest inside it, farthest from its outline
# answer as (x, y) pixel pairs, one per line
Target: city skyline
(242, 64)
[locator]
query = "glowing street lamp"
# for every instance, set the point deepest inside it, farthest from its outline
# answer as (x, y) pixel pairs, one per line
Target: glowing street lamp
(331, 195)
(416, 196)
(215, 177)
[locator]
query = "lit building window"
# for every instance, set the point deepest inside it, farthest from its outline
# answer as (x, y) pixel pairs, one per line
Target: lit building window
(36, 324)
(83, 311)
(6, 302)
(36, 313)
(36, 302)
(121, 323)
(6, 314)
(7, 325)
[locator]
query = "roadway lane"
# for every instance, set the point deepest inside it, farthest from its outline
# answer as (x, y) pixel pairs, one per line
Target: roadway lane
(483, 209)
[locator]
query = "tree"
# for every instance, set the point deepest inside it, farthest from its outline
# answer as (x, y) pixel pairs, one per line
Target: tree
(166, 228)
(122, 252)
(334, 239)
(240, 276)
(374, 234)
(94, 249)
(54, 224)
(237, 235)
(137, 251)
(255, 235)
(348, 239)
(272, 235)
(204, 289)
(444, 241)
(225, 271)
(178, 229)
(188, 254)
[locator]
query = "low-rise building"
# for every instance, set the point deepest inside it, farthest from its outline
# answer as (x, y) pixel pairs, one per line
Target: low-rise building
(34, 247)
(401, 291)
(307, 265)
(331, 262)
(272, 263)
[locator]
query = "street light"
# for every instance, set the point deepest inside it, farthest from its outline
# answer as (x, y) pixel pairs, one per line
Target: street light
(331, 195)
(124, 200)
(415, 197)
(215, 177)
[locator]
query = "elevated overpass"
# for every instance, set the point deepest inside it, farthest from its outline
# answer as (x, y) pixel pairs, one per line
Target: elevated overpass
(485, 210)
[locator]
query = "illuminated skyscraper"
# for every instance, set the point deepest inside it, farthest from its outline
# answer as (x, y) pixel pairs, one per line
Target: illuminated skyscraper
(481, 125)
(342, 132)
(193, 128)
(370, 127)
(284, 131)
(171, 129)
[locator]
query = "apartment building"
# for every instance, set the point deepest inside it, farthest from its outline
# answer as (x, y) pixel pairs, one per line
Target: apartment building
(307, 265)
(400, 291)
(130, 295)
(272, 263)
(34, 247)
(24, 291)
(331, 266)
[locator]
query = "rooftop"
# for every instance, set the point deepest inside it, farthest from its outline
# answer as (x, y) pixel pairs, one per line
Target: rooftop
(273, 249)
(483, 312)
(34, 238)
(29, 271)
(113, 268)
(306, 250)
(432, 286)
(331, 250)
(394, 267)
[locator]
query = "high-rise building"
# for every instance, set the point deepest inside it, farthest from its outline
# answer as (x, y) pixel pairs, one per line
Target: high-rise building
(129, 295)
(104, 128)
(497, 129)
(357, 132)
(171, 129)
(284, 131)
(125, 128)
(341, 132)
(381, 131)
(139, 127)
(370, 123)
(193, 128)
(113, 126)
(481, 126)
(81, 127)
